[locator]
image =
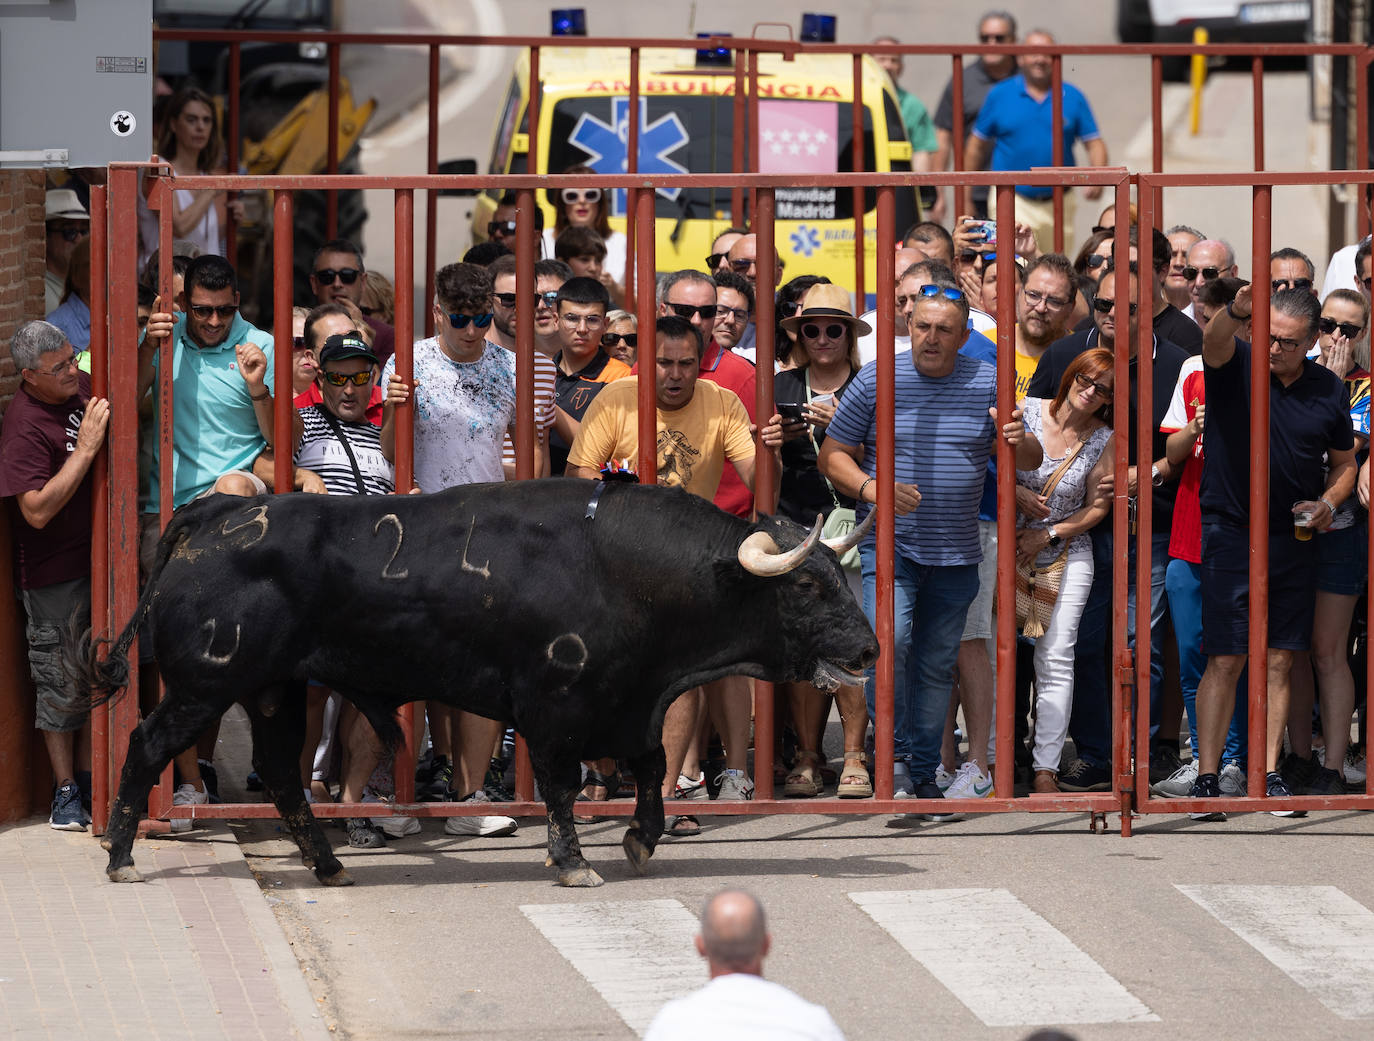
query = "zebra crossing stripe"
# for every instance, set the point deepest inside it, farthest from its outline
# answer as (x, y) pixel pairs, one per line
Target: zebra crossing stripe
(1009, 966)
(1317, 935)
(637, 954)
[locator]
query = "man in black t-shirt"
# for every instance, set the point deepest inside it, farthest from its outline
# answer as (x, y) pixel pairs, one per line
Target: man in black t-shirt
(1090, 722)
(1309, 415)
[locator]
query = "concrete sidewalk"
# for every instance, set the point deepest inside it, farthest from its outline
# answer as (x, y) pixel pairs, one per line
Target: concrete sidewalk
(194, 951)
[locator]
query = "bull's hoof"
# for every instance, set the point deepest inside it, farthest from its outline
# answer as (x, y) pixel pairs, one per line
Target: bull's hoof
(637, 852)
(579, 878)
(338, 878)
(548, 861)
(106, 844)
(127, 873)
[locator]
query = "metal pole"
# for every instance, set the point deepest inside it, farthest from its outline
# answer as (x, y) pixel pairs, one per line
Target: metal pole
(963, 198)
(1142, 328)
(431, 195)
(526, 251)
(404, 249)
(125, 528)
(1057, 144)
(765, 476)
(738, 123)
(1361, 160)
(632, 166)
(231, 232)
(1004, 782)
(857, 160)
(1257, 79)
(648, 397)
(1259, 491)
(100, 495)
(1123, 674)
(883, 737)
(283, 408)
(332, 153)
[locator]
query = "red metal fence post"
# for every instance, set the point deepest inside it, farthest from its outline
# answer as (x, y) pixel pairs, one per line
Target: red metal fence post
(1259, 492)
(431, 194)
(332, 146)
(403, 770)
(1005, 694)
(100, 496)
(283, 407)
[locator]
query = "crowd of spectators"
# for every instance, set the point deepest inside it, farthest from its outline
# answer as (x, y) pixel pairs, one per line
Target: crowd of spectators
(1072, 323)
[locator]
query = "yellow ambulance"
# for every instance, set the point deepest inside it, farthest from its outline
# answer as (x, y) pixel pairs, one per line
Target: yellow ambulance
(686, 122)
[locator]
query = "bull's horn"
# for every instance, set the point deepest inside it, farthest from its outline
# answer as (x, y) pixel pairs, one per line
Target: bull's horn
(844, 545)
(759, 554)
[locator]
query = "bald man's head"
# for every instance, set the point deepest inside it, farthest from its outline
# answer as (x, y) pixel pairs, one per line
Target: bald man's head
(734, 934)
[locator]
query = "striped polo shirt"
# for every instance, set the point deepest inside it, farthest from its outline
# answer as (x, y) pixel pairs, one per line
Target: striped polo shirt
(943, 442)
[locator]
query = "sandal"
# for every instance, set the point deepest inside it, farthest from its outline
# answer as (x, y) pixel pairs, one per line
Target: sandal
(854, 781)
(804, 781)
(595, 779)
(683, 826)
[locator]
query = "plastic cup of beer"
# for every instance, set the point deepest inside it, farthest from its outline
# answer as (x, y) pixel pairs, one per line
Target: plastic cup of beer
(1302, 521)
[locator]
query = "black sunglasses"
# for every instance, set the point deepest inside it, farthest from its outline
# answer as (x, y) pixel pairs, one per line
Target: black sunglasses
(713, 261)
(993, 37)
(1348, 329)
(549, 299)
(1289, 283)
(1102, 305)
(1208, 273)
(509, 299)
(347, 275)
(206, 310)
(611, 339)
(812, 331)
(460, 321)
(1093, 261)
(500, 227)
(707, 311)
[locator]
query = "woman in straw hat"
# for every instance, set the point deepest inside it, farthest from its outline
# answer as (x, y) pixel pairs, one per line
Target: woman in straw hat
(826, 360)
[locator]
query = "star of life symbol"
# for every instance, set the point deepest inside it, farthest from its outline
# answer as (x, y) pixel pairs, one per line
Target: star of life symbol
(805, 240)
(608, 144)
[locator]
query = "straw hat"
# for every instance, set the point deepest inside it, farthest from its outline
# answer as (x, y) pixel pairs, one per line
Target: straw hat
(825, 301)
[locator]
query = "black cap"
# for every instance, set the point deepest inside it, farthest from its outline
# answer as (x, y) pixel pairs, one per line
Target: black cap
(341, 348)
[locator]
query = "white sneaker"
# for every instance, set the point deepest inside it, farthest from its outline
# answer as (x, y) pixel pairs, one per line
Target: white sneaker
(490, 826)
(691, 787)
(1179, 784)
(1232, 780)
(394, 827)
(735, 786)
(187, 795)
(943, 777)
(969, 783)
(902, 788)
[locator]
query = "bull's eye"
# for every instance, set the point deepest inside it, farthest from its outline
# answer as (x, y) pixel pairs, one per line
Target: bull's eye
(806, 583)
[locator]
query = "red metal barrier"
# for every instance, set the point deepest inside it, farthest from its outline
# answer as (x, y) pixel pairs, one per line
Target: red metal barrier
(124, 181)
(747, 50)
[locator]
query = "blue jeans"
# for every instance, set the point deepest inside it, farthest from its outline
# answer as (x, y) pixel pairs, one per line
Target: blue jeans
(1184, 584)
(1159, 560)
(929, 607)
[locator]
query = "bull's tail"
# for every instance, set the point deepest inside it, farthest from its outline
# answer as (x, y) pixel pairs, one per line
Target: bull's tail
(101, 667)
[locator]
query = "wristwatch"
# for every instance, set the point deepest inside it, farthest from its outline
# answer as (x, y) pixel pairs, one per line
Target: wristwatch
(1055, 540)
(1156, 478)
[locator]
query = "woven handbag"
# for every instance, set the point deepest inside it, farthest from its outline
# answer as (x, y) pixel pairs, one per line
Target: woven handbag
(1038, 588)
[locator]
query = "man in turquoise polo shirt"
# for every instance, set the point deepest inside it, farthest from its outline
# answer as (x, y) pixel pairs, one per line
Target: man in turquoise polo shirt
(1014, 129)
(221, 418)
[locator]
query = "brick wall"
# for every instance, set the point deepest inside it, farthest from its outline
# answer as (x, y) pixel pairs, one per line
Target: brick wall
(21, 263)
(24, 776)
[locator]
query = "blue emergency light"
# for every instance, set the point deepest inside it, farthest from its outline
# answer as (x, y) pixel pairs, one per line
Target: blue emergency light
(569, 21)
(713, 55)
(818, 28)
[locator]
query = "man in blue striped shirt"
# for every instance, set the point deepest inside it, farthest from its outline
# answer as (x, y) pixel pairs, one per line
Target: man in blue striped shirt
(945, 430)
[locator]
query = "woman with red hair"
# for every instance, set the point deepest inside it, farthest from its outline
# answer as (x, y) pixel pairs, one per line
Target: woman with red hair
(1074, 429)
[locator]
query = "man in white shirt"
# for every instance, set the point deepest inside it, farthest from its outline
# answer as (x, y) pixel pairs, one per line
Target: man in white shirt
(739, 1002)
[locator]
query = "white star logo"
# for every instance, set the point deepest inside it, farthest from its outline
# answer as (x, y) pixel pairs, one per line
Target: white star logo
(794, 149)
(813, 149)
(786, 135)
(768, 135)
(775, 149)
(804, 136)
(822, 137)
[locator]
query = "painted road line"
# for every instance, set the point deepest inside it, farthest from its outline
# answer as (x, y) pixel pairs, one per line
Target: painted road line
(638, 954)
(1319, 937)
(1001, 959)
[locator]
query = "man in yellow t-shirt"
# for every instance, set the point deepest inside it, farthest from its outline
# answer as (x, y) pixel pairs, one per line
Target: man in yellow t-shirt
(1044, 305)
(700, 424)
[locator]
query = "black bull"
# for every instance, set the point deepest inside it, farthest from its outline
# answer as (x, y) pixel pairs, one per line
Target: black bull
(573, 610)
